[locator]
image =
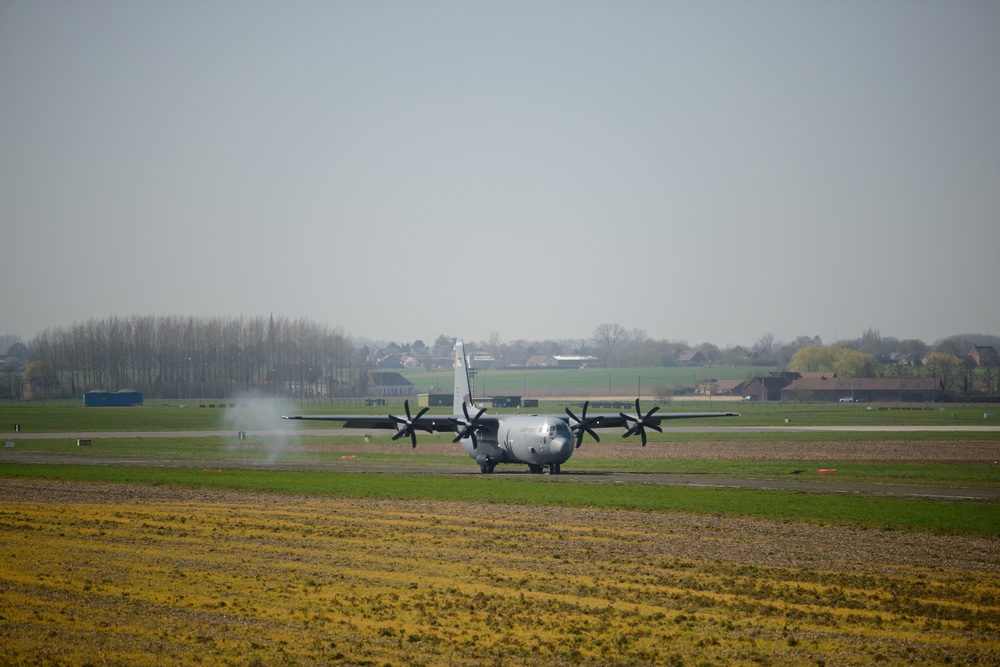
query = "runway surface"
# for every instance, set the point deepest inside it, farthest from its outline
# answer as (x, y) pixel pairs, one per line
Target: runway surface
(24, 435)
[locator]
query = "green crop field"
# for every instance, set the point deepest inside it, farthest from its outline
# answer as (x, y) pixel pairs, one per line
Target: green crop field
(265, 414)
(615, 381)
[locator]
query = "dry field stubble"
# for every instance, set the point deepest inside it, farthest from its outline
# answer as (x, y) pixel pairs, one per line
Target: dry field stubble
(108, 574)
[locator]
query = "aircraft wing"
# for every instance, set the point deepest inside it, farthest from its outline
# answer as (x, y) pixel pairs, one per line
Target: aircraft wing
(430, 423)
(616, 420)
(636, 423)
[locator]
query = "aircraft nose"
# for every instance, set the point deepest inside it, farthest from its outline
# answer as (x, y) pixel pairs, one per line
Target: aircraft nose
(561, 447)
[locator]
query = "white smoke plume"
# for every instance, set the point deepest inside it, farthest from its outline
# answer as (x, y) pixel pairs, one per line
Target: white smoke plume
(266, 434)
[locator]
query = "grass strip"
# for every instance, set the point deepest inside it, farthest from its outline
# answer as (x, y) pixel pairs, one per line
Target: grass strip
(883, 513)
(329, 451)
(266, 415)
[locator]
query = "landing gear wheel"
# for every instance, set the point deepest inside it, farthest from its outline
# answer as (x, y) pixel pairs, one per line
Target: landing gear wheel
(534, 470)
(486, 468)
(553, 468)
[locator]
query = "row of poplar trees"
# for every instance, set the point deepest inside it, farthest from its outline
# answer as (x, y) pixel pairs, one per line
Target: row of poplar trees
(186, 357)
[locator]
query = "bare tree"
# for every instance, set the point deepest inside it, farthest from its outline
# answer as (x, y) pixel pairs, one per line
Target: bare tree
(766, 343)
(607, 337)
(493, 345)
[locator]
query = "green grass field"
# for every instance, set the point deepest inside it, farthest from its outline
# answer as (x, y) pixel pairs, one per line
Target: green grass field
(266, 415)
(329, 451)
(616, 381)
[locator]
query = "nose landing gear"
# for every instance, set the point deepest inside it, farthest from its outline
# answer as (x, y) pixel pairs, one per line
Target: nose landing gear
(486, 465)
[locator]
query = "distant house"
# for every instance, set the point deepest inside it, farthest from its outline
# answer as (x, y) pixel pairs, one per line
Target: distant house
(389, 384)
(902, 359)
(691, 358)
(389, 360)
(718, 388)
(984, 355)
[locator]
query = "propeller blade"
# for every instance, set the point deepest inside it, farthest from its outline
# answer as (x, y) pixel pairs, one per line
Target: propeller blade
(468, 426)
(409, 424)
(640, 422)
(580, 425)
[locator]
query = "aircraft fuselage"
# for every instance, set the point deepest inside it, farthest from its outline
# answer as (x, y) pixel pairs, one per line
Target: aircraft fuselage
(535, 440)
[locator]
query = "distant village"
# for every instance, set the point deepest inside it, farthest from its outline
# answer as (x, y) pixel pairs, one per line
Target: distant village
(979, 368)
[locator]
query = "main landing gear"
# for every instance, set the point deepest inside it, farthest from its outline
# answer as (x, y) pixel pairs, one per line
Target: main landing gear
(553, 469)
(486, 467)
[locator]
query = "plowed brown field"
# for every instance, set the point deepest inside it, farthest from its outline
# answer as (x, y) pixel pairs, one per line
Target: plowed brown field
(115, 574)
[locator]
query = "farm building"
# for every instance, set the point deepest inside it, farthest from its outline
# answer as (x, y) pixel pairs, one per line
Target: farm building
(103, 399)
(691, 358)
(389, 384)
(864, 390)
(718, 387)
(792, 386)
(767, 388)
(433, 400)
(562, 361)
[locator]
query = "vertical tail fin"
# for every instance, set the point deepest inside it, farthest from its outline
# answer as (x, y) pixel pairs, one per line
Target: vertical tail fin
(463, 389)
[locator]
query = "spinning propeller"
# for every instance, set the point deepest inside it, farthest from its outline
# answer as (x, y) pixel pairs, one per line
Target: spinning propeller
(410, 424)
(469, 425)
(580, 425)
(640, 424)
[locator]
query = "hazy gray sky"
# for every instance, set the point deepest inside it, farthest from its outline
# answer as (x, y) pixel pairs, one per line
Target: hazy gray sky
(705, 171)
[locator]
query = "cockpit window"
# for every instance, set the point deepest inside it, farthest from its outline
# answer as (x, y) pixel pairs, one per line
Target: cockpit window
(558, 428)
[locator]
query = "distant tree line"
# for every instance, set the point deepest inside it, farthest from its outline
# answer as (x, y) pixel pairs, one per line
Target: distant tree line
(185, 357)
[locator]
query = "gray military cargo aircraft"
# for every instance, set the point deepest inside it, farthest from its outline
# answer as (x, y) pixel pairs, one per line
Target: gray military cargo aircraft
(539, 441)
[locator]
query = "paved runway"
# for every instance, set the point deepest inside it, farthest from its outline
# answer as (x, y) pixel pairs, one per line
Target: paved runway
(24, 435)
